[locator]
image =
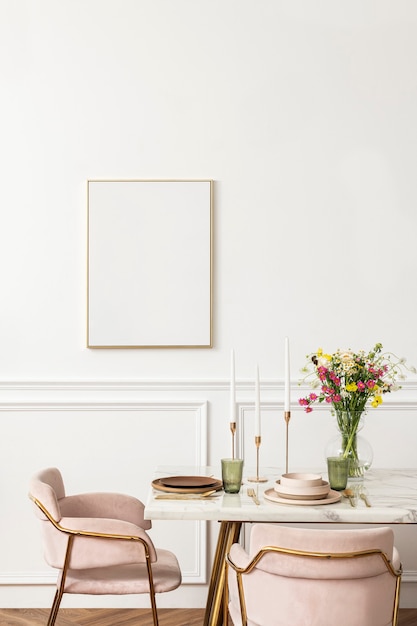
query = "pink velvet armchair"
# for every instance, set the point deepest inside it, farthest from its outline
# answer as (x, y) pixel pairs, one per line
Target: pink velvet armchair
(310, 577)
(99, 543)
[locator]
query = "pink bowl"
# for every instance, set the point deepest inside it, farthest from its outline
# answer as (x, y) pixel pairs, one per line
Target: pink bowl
(298, 479)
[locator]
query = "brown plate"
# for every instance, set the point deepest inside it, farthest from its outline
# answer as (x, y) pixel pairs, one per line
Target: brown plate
(188, 482)
(157, 484)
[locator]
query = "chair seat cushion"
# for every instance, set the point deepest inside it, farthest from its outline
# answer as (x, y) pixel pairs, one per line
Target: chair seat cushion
(125, 579)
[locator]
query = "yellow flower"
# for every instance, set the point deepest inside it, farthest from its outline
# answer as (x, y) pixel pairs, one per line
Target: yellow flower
(322, 359)
(351, 387)
(377, 400)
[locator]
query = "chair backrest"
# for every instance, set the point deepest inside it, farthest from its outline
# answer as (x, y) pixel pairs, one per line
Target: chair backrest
(47, 486)
(312, 577)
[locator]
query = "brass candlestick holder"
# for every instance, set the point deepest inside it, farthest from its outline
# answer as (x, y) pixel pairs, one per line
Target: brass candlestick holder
(233, 431)
(287, 417)
(257, 478)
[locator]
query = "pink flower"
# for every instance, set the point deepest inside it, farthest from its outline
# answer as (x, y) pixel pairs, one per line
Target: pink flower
(361, 386)
(329, 399)
(303, 401)
(370, 384)
(337, 398)
(313, 397)
(308, 409)
(334, 378)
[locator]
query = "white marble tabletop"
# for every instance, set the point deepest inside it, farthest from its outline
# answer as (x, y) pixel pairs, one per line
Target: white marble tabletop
(392, 494)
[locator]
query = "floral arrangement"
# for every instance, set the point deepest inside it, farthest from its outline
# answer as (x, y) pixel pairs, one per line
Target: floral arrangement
(349, 381)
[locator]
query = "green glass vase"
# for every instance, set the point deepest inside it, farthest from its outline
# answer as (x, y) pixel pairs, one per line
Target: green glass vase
(349, 444)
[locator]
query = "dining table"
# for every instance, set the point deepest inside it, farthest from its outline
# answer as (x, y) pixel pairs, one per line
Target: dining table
(383, 496)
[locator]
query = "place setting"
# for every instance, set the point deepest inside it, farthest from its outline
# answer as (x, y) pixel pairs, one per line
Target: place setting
(302, 489)
(186, 487)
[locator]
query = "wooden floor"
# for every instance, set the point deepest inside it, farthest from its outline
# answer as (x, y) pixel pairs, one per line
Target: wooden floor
(129, 617)
(102, 617)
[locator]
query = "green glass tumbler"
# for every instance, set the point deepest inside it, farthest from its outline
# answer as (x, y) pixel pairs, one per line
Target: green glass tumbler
(338, 471)
(232, 470)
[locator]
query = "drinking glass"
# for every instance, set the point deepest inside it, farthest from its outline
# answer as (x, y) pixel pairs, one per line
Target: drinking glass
(338, 471)
(232, 470)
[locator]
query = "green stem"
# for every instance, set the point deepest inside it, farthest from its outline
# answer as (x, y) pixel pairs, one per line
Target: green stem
(348, 422)
(348, 447)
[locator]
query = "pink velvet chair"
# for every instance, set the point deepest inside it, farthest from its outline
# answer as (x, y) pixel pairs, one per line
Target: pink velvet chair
(309, 577)
(99, 543)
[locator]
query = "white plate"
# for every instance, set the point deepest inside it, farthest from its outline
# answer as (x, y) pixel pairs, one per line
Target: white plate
(332, 496)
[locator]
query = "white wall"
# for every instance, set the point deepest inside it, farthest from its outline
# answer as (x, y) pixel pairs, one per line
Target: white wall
(303, 115)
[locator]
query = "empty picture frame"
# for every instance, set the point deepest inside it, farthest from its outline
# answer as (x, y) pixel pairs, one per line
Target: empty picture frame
(149, 264)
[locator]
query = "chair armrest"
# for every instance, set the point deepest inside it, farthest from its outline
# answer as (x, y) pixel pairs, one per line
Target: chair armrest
(97, 542)
(107, 505)
(102, 526)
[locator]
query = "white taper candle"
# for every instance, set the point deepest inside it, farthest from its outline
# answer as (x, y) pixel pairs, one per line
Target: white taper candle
(257, 405)
(287, 393)
(232, 416)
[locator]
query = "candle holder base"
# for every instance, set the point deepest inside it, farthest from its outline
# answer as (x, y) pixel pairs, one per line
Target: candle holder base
(287, 417)
(257, 479)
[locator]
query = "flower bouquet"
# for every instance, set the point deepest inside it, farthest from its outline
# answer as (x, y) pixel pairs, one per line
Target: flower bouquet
(350, 382)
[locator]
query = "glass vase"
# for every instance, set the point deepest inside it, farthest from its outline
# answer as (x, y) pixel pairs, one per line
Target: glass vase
(348, 444)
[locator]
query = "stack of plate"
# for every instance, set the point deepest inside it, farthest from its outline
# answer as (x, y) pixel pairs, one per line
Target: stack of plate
(187, 484)
(299, 488)
(302, 487)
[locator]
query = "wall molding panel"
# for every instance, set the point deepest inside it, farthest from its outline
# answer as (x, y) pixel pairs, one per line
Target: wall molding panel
(175, 385)
(190, 425)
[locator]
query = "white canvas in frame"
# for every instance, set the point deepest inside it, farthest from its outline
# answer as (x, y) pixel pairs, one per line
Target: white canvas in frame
(149, 264)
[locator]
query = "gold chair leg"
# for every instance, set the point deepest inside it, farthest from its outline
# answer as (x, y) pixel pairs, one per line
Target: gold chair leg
(396, 602)
(60, 591)
(154, 611)
(151, 590)
(54, 608)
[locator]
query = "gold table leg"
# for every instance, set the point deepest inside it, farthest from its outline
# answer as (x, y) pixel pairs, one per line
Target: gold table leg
(228, 534)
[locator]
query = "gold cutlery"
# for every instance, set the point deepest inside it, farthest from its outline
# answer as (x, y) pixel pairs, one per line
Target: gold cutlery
(185, 496)
(252, 494)
(365, 499)
(348, 493)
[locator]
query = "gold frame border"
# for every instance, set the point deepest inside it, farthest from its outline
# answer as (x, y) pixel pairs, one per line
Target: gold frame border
(153, 180)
